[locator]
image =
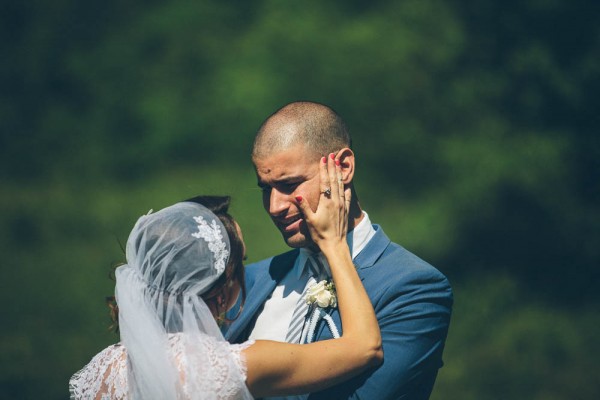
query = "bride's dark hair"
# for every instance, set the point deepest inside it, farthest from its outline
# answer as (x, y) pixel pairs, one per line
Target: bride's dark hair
(234, 270)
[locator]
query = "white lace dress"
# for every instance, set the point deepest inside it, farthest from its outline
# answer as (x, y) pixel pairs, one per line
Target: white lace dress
(106, 375)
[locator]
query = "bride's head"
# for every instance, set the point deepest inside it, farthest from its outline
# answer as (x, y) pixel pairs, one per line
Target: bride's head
(190, 250)
(225, 291)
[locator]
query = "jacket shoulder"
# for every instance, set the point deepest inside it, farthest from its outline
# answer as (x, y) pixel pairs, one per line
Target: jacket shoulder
(270, 266)
(398, 270)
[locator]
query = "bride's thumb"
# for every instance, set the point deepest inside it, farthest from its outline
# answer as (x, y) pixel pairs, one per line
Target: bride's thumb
(304, 207)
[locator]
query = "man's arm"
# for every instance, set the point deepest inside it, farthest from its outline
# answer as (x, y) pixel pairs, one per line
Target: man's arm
(414, 315)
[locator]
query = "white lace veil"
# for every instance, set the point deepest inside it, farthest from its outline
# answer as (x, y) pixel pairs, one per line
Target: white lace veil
(173, 256)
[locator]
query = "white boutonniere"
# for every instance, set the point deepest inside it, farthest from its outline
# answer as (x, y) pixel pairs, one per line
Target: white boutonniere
(323, 294)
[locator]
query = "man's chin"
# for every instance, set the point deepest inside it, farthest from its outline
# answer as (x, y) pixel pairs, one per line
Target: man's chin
(296, 241)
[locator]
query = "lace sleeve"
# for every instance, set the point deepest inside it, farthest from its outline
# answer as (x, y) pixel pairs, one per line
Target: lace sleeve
(103, 378)
(211, 368)
(238, 356)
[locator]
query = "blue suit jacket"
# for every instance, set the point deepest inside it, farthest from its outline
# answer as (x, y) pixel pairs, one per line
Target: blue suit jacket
(412, 301)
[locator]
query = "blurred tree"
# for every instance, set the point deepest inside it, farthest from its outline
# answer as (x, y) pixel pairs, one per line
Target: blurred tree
(474, 124)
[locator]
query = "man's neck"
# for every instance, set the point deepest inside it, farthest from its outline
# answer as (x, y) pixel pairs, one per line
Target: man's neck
(355, 215)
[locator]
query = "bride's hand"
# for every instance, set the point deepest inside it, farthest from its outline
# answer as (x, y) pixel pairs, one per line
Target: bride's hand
(328, 225)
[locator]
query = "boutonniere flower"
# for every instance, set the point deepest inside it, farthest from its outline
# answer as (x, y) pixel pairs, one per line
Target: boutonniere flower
(323, 294)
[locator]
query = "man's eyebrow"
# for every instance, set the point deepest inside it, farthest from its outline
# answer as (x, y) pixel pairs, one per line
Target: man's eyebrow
(285, 180)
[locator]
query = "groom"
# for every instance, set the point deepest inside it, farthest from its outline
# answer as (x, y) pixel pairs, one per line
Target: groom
(412, 299)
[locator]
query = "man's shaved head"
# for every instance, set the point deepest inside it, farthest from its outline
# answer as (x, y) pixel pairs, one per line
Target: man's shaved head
(320, 129)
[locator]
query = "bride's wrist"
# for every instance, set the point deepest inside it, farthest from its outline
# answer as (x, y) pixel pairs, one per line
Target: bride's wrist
(332, 248)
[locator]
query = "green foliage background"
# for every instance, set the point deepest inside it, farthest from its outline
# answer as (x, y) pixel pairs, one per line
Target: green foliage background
(475, 125)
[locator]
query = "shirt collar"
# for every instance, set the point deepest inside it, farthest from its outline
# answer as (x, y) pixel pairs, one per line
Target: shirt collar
(360, 235)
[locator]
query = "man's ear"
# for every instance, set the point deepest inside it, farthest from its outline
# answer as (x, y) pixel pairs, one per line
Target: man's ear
(346, 157)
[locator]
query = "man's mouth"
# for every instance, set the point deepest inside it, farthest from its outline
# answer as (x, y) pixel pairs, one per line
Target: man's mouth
(289, 223)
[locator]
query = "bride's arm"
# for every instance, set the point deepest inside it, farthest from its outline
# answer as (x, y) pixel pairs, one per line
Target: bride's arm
(276, 368)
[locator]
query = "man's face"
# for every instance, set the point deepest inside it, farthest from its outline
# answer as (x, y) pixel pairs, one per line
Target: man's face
(282, 176)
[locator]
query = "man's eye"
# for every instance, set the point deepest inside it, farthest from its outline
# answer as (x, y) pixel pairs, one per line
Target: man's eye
(287, 187)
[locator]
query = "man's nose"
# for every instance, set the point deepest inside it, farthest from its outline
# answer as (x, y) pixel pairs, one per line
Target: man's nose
(278, 203)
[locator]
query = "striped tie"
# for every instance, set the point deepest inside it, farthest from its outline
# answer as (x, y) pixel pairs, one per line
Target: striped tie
(294, 332)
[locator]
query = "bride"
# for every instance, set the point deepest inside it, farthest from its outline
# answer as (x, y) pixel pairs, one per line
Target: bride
(184, 270)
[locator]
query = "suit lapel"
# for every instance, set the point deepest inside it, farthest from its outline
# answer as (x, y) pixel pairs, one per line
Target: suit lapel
(264, 284)
(372, 251)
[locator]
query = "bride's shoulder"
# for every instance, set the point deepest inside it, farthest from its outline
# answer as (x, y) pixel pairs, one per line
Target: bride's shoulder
(105, 373)
(116, 348)
(112, 355)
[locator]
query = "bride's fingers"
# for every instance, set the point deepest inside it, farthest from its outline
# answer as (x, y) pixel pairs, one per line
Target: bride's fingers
(347, 198)
(324, 177)
(332, 176)
(339, 180)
